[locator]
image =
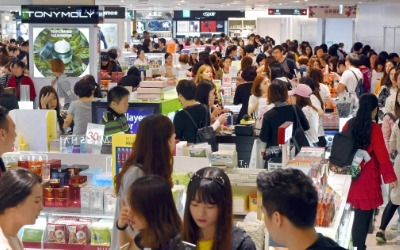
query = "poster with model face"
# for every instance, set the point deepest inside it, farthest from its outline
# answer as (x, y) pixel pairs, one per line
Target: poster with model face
(110, 34)
(208, 26)
(71, 45)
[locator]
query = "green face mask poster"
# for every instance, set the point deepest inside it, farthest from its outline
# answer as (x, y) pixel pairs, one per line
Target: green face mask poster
(71, 45)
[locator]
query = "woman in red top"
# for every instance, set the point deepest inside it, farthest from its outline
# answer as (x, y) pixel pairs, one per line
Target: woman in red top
(365, 192)
(19, 79)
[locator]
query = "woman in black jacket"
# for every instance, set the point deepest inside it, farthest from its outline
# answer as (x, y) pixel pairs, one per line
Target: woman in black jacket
(279, 114)
(132, 78)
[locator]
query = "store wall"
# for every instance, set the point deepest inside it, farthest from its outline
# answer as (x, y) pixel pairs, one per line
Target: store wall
(369, 25)
(339, 30)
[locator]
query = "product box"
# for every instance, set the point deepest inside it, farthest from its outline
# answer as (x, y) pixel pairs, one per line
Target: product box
(36, 167)
(23, 164)
(49, 202)
(100, 234)
(62, 192)
(240, 203)
(56, 233)
(75, 195)
(78, 234)
(121, 149)
(32, 235)
(153, 84)
(54, 183)
(150, 96)
(61, 174)
(54, 163)
(85, 198)
(61, 202)
(142, 90)
(96, 199)
(110, 201)
(78, 179)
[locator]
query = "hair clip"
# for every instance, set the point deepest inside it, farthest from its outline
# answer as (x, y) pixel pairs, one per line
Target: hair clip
(219, 179)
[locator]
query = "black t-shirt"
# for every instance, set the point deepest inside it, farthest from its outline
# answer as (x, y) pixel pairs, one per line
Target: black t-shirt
(184, 128)
(275, 118)
(242, 95)
(325, 243)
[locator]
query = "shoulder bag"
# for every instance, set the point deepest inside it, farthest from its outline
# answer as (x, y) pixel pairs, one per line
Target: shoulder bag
(206, 133)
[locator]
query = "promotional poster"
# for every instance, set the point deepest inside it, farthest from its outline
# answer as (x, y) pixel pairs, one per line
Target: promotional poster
(71, 45)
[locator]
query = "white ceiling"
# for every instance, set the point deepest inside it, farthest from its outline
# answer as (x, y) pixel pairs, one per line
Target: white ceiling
(202, 4)
(231, 4)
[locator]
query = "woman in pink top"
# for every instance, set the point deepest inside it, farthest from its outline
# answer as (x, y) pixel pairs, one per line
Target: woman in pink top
(389, 119)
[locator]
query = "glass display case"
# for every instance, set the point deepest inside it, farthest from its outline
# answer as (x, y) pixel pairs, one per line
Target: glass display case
(69, 228)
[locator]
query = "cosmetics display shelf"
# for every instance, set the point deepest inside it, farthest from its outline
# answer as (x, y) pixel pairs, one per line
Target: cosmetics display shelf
(54, 213)
(342, 222)
(241, 27)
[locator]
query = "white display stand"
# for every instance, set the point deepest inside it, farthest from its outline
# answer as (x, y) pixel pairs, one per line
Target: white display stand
(341, 185)
(37, 127)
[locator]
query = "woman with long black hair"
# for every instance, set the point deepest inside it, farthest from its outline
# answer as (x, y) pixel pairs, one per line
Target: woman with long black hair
(365, 192)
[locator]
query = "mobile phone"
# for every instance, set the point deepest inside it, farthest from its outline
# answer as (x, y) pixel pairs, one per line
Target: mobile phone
(125, 246)
(187, 246)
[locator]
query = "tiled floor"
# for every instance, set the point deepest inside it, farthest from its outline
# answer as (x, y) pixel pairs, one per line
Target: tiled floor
(392, 236)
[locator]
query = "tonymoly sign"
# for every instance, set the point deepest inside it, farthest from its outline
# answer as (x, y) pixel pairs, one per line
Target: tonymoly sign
(59, 14)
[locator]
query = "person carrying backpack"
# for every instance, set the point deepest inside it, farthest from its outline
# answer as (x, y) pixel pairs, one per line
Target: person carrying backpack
(351, 76)
(365, 192)
(388, 121)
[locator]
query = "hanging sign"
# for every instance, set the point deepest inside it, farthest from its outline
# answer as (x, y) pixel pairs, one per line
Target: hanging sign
(332, 11)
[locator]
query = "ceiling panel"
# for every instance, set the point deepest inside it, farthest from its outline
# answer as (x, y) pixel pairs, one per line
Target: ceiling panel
(231, 5)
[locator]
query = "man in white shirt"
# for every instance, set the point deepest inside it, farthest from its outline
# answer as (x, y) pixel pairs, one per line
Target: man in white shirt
(348, 81)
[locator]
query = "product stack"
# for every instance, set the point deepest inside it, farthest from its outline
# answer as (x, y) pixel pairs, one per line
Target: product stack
(151, 90)
(328, 204)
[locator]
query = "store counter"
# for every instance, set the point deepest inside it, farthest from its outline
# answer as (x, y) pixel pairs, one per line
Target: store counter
(244, 145)
(166, 106)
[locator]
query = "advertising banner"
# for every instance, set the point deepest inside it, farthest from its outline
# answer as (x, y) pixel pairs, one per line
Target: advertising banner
(71, 45)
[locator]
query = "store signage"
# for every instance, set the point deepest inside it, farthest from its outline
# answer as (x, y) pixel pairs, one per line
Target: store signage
(208, 14)
(292, 12)
(114, 12)
(340, 11)
(211, 15)
(59, 14)
(155, 14)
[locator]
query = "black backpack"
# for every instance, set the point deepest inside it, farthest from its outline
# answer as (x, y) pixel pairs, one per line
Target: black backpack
(360, 88)
(342, 152)
(205, 133)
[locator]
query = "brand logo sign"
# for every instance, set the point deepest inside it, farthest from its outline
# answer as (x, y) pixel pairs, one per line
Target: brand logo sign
(59, 14)
(114, 12)
(208, 14)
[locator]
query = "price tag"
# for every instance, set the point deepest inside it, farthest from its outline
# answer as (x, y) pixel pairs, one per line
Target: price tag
(94, 134)
(233, 71)
(226, 80)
